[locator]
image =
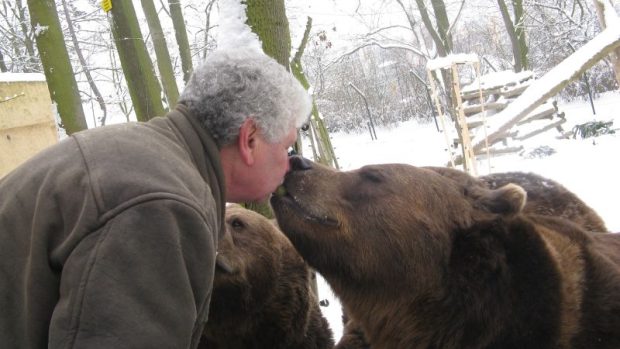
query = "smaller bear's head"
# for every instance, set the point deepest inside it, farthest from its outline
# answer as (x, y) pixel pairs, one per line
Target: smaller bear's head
(382, 222)
(251, 258)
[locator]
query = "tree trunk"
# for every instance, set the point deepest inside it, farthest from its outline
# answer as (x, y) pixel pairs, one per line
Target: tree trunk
(443, 24)
(164, 64)
(510, 29)
(180, 32)
(520, 33)
(21, 14)
(442, 50)
(83, 63)
(56, 64)
(3, 67)
(267, 18)
(614, 56)
(327, 157)
(137, 66)
(516, 33)
(208, 9)
(443, 41)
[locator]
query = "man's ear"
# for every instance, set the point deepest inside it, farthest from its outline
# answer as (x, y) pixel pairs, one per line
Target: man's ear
(247, 142)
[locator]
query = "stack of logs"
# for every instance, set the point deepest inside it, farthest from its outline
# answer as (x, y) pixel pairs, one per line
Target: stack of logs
(498, 90)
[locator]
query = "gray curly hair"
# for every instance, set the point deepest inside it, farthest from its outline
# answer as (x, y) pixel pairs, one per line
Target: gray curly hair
(236, 84)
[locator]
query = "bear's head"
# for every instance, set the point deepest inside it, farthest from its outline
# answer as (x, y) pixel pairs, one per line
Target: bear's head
(351, 225)
(256, 266)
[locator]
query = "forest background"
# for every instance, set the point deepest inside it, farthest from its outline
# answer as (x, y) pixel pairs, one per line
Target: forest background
(380, 47)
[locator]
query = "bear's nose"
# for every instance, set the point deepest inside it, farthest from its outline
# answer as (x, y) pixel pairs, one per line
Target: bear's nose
(299, 163)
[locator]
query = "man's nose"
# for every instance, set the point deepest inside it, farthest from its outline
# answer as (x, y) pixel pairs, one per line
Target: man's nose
(298, 163)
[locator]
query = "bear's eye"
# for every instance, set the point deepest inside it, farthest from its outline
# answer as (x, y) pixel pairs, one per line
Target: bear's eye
(236, 223)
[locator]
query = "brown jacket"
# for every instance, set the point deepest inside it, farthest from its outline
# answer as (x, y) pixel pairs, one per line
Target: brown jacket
(107, 239)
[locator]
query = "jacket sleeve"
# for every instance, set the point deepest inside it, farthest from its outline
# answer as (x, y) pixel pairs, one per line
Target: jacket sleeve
(142, 280)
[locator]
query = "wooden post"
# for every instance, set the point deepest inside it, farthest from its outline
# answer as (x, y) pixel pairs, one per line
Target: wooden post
(441, 118)
(484, 114)
(469, 163)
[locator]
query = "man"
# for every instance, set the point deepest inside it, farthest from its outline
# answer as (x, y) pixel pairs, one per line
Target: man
(108, 239)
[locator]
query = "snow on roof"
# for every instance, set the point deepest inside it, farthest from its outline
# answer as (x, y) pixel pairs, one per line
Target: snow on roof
(18, 77)
(445, 62)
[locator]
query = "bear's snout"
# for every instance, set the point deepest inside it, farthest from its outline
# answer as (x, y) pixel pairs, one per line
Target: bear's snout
(298, 163)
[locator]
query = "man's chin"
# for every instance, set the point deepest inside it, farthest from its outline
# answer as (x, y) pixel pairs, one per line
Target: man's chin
(262, 200)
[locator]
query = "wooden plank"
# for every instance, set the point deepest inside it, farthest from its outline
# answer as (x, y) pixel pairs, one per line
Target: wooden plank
(472, 109)
(553, 81)
(541, 130)
(511, 92)
(470, 162)
(545, 111)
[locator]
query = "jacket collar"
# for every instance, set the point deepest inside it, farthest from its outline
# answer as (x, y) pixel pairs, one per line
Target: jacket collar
(205, 153)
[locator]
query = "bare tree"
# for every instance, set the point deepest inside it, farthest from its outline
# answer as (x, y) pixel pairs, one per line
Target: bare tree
(207, 28)
(180, 32)
(17, 37)
(317, 127)
(57, 67)
(516, 33)
(83, 63)
(268, 20)
(164, 64)
(603, 9)
(3, 67)
(143, 86)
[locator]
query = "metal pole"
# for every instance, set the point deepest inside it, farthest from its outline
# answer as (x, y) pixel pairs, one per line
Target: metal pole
(372, 124)
(585, 79)
(428, 98)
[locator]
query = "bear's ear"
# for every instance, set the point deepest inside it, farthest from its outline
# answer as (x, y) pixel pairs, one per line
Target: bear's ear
(507, 200)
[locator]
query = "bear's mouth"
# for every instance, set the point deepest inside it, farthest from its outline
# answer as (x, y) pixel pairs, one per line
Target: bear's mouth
(223, 264)
(282, 197)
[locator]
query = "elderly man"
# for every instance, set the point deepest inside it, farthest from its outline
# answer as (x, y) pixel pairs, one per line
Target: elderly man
(108, 239)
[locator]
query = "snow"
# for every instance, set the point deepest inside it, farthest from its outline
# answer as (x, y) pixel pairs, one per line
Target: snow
(611, 17)
(549, 84)
(497, 79)
(233, 31)
(446, 62)
(40, 29)
(20, 77)
(584, 166)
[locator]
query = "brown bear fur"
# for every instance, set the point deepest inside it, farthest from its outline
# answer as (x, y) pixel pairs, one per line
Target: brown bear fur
(544, 196)
(420, 260)
(261, 292)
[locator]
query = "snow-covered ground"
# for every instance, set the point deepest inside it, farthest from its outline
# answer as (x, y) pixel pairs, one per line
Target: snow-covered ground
(585, 166)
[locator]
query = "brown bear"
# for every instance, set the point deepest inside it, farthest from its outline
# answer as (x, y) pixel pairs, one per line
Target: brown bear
(261, 291)
(544, 196)
(420, 260)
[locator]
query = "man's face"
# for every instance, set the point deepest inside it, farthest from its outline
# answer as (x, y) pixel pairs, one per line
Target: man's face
(271, 164)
